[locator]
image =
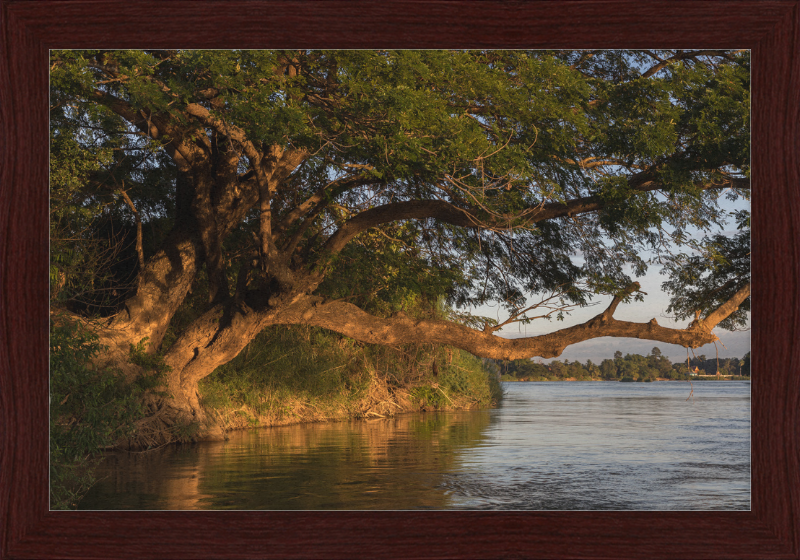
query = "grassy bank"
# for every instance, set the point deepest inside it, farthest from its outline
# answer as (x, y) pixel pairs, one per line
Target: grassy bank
(304, 374)
(286, 375)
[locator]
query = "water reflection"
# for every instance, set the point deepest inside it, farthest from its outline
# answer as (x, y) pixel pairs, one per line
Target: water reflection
(551, 446)
(394, 463)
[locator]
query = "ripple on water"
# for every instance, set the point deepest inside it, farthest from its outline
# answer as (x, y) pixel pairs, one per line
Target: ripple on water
(550, 446)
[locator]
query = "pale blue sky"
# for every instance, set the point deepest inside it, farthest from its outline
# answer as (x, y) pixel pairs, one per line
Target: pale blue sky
(654, 306)
(736, 344)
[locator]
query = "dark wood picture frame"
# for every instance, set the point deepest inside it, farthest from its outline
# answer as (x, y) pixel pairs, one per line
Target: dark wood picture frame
(29, 28)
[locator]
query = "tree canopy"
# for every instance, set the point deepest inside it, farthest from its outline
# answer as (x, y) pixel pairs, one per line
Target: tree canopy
(201, 196)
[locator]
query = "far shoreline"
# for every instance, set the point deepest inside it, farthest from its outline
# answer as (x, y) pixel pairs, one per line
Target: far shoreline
(705, 378)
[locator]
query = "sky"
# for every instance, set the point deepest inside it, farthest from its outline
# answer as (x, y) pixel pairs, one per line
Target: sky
(731, 344)
(736, 344)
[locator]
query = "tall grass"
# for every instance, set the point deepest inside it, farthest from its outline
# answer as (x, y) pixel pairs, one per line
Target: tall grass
(301, 374)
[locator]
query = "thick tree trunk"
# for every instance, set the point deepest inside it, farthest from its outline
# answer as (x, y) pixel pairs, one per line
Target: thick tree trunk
(161, 288)
(214, 339)
(210, 201)
(218, 336)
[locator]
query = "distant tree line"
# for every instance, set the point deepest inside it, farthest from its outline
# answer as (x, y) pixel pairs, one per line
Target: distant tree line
(630, 367)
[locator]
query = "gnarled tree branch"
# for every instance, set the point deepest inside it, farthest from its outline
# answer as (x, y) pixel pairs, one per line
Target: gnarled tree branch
(724, 310)
(349, 320)
(469, 217)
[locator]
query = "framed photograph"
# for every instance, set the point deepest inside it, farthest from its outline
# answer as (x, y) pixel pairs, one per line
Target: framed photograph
(768, 31)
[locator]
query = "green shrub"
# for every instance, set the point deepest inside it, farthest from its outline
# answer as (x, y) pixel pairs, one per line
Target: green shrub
(90, 409)
(154, 369)
(302, 373)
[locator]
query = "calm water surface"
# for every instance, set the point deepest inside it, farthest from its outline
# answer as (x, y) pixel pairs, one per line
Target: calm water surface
(550, 446)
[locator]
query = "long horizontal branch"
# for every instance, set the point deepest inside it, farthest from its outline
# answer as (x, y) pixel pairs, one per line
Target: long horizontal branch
(469, 217)
(349, 320)
(414, 209)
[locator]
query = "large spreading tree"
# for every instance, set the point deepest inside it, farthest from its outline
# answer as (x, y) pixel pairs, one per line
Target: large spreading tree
(200, 197)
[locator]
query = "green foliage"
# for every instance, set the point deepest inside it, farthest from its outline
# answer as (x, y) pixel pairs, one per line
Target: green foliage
(93, 157)
(291, 374)
(385, 273)
(630, 367)
(90, 410)
(283, 366)
(707, 280)
(744, 365)
(76, 256)
(155, 369)
(461, 382)
(499, 132)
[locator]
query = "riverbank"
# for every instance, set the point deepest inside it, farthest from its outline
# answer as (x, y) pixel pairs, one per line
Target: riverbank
(507, 379)
(476, 460)
(301, 374)
(288, 375)
(377, 399)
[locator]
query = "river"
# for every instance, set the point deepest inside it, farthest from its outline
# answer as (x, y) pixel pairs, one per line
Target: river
(549, 446)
